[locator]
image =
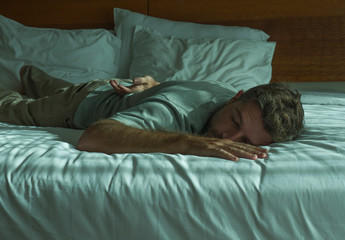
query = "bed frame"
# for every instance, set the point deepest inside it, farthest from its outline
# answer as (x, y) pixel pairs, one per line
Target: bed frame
(310, 34)
(50, 190)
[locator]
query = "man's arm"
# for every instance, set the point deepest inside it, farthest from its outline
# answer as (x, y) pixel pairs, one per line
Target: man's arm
(110, 136)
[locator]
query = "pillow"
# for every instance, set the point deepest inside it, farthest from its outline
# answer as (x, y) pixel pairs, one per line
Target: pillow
(73, 55)
(241, 63)
(125, 22)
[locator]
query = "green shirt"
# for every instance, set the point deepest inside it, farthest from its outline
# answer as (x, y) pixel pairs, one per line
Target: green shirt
(175, 106)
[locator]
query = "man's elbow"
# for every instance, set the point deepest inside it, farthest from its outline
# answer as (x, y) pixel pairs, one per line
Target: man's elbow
(90, 140)
(86, 143)
(94, 139)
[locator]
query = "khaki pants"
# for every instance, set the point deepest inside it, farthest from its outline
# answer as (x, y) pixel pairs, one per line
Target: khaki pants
(52, 102)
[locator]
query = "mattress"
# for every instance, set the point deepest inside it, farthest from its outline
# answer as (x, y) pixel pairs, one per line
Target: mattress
(50, 190)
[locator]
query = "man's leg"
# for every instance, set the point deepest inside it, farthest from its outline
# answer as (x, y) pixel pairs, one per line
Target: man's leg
(14, 109)
(37, 84)
(58, 110)
(54, 111)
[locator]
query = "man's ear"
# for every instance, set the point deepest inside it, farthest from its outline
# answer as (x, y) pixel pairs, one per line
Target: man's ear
(237, 96)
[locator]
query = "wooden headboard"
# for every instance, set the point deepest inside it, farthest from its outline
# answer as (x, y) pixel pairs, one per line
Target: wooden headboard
(310, 34)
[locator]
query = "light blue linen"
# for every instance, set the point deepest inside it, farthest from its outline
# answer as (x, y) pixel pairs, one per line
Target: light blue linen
(50, 190)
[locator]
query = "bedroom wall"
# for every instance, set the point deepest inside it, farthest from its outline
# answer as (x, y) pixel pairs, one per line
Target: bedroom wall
(68, 13)
(98, 13)
(233, 10)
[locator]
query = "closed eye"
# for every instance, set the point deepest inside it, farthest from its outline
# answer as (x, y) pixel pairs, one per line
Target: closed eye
(237, 119)
(235, 122)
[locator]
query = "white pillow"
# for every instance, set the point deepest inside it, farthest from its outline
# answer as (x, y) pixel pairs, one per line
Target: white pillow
(73, 55)
(125, 22)
(242, 63)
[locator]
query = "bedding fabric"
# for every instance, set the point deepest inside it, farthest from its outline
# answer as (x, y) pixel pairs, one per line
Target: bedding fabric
(72, 55)
(242, 63)
(125, 22)
(50, 190)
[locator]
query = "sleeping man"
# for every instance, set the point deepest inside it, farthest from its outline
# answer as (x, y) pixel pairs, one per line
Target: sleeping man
(186, 117)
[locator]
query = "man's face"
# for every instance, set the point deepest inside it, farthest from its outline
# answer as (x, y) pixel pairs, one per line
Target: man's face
(240, 122)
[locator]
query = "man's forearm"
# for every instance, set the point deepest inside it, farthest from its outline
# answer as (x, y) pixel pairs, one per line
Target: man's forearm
(110, 136)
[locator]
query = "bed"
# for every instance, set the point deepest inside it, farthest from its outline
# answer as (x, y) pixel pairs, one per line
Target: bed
(51, 190)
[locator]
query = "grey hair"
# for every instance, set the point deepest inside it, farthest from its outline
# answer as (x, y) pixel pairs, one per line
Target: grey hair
(282, 110)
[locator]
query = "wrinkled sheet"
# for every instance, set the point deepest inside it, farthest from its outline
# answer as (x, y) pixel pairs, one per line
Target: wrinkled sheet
(50, 190)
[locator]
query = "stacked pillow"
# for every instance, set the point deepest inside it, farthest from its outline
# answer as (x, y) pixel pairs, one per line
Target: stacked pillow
(73, 55)
(172, 50)
(141, 45)
(241, 63)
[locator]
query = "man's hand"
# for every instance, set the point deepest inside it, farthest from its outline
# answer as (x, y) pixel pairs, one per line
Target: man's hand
(222, 148)
(110, 136)
(139, 84)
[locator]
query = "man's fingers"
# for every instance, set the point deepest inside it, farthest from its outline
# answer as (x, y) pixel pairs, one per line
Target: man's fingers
(232, 153)
(125, 89)
(115, 86)
(120, 89)
(227, 155)
(139, 84)
(233, 150)
(243, 153)
(254, 150)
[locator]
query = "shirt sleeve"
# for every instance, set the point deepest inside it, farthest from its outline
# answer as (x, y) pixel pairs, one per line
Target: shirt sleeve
(152, 116)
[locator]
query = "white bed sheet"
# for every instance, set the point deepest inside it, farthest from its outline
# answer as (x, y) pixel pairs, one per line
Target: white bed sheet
(50, 190)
